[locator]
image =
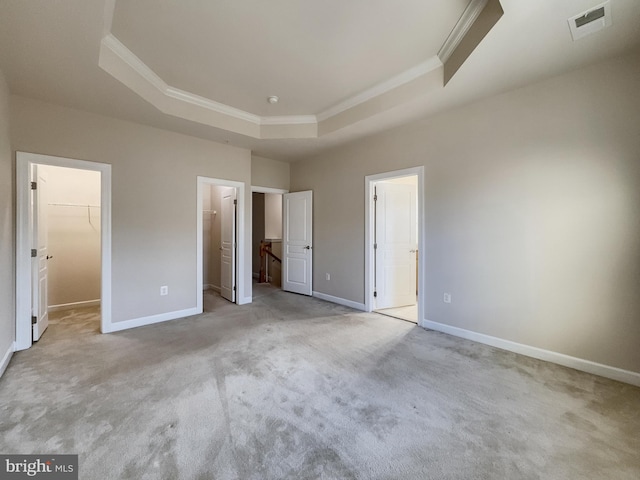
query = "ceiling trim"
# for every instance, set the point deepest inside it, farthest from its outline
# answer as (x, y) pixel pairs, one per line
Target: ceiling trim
(204, 102)
(116, 59)
(469, 16)
(121, 63)
(289, 120)
(399, 80)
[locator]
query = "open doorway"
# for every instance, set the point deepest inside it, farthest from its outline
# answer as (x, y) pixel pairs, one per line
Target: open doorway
(71, 234)
(219, 232)
(266, 244)
(394, 235)
(220, 240)
(63, 241)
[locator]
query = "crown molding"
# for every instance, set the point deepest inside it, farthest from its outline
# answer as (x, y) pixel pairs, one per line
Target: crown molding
(468, 17)
(121, 63)
(116, 47)
(399, 80)
(289, 120)
(209, 104)
(153, 84)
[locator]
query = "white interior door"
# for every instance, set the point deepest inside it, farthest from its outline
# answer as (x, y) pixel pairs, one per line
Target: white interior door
(39, 276)
(396, 245)
(228, 244)
(297, 247)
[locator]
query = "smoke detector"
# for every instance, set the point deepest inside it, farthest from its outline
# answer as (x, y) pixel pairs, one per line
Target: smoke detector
(591, 21)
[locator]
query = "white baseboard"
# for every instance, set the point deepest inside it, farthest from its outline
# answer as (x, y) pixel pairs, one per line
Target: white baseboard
(70, 306)
(339, 301)
(150, 320)
(6, 358)
(614, 373)
(209, 286)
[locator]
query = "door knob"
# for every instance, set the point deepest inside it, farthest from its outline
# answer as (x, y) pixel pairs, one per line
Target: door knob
(308, 247)
(49, 256)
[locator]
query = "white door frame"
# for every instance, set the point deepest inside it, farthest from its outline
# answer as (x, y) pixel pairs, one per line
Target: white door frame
(258, 189)
(369, 223)
(24, 161)
(240, 239)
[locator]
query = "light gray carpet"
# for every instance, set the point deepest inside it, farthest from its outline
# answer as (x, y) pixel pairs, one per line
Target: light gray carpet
(295, 388)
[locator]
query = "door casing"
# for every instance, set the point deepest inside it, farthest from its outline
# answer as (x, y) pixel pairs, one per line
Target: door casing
(369, 222)
(24, 240)
(243, 292)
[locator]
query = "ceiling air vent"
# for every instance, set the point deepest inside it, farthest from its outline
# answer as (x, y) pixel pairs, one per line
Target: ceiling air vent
(590, 21)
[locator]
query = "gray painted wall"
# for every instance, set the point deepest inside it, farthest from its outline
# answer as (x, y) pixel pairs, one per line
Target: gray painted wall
(154, 197)
(532, 213)
(7, 246)
(269, 173)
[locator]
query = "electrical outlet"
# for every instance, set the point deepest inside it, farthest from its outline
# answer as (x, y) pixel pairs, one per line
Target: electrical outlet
(447, 298)
(328, 276)
(164, 290)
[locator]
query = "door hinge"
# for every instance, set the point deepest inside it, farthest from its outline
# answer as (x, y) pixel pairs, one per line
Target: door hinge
(34, 185)
(375, 246)
(234, 288)
(235, 202)
(375, 294)
(34, 253)
(375, 198)
(34, 320)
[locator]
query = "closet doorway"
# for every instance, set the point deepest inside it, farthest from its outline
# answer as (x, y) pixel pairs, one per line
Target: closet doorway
(63, 247)
(72, 230)
(220, 243)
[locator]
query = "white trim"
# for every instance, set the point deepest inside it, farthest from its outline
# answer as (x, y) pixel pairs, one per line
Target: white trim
(369, 279)
(258, 189)
(72, 305)
(466, 21)
(6, 358)
(203, 102)
(240, 252)
(289, 120)
(111, 42)
(340, 301)
(120, 62)
(151, 319)
(116, 47)
(23, 239)
(399, 80)
(583, 365)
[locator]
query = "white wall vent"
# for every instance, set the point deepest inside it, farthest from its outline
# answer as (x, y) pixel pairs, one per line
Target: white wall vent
(591, 21)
